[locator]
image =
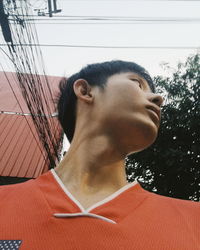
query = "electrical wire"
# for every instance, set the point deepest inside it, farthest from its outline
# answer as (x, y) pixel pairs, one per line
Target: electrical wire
(113, 20)
(37, 93)
(18, 102)
(87, 16)
(121, 19)
(129, 0)
(112, 23)
(39, 53)
(105, 47)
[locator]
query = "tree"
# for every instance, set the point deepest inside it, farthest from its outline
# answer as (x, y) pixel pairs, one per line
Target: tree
(171, 166)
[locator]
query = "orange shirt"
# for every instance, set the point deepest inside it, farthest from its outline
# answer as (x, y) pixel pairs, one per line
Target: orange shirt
(41, 214)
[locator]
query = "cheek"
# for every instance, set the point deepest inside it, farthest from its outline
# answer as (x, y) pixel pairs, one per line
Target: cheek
(121, 105)
(128, 100)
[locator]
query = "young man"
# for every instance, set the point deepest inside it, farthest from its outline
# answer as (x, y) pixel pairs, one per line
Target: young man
(107, 110)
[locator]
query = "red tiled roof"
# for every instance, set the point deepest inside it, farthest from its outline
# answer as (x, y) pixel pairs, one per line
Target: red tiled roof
(21, 152)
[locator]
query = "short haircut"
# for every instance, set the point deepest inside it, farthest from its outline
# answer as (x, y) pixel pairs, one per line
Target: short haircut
(96, 75)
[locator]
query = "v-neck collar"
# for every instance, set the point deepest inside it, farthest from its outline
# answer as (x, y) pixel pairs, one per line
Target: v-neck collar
(114, 208)
(97, 204)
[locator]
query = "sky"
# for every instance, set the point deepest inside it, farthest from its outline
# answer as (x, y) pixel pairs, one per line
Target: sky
(143, 35)
(63, 61)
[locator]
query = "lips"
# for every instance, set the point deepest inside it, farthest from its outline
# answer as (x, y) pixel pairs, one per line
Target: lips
(156, 111)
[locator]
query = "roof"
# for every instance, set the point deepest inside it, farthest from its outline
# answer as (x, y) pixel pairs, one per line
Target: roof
(21, 151)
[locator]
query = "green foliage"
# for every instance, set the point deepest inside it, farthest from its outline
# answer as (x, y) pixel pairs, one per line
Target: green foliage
(171, 166)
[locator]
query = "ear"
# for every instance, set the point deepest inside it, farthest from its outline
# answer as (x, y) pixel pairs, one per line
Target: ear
(82, 90)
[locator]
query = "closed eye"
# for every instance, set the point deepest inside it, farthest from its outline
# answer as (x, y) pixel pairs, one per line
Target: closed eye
(139, 83)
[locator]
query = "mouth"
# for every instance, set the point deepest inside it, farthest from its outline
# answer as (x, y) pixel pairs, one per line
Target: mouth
(155, 111)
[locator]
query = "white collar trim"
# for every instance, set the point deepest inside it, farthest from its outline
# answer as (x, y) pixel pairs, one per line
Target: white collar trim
(109, 198)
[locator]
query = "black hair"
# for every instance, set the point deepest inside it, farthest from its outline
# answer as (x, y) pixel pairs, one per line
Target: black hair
(96, 75)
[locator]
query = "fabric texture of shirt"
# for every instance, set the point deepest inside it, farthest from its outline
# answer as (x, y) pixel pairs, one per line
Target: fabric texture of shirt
(42, 214)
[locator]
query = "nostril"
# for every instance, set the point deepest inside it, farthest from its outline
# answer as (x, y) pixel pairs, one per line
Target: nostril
(158, 100)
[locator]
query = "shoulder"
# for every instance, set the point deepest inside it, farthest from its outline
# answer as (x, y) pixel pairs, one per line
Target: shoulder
(15, 192)
(24, 193)
(183, 206)
(24, 188)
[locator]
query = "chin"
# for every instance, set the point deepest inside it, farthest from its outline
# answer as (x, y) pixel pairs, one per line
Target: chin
(149, 138)
(143, 139)
(150, 131)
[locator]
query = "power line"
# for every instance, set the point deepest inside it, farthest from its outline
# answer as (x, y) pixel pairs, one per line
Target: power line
(90, 16)
(109, 20)
(129, 0)
(124, 19)
(9, 82)
(106, 47)
(112, 23)
(35, 90)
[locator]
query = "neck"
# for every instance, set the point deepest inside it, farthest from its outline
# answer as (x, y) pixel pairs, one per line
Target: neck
(92, 166)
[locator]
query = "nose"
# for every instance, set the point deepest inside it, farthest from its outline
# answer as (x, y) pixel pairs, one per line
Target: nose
(157, 99)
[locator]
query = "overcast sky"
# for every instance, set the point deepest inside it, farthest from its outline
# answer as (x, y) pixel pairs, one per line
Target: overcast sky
(69, 60)
(65, 61)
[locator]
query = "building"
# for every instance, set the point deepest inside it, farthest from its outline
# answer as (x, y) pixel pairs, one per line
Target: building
(22, 155)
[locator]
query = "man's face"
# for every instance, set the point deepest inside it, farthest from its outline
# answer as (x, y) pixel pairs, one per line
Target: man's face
(127, 111)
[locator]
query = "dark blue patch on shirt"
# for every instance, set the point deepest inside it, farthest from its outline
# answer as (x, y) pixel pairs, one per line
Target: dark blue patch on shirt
(10, 244)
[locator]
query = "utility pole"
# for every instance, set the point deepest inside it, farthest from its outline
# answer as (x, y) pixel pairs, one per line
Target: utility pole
(50, 8)
(4, 24)
(54, 10)
(55, 5)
